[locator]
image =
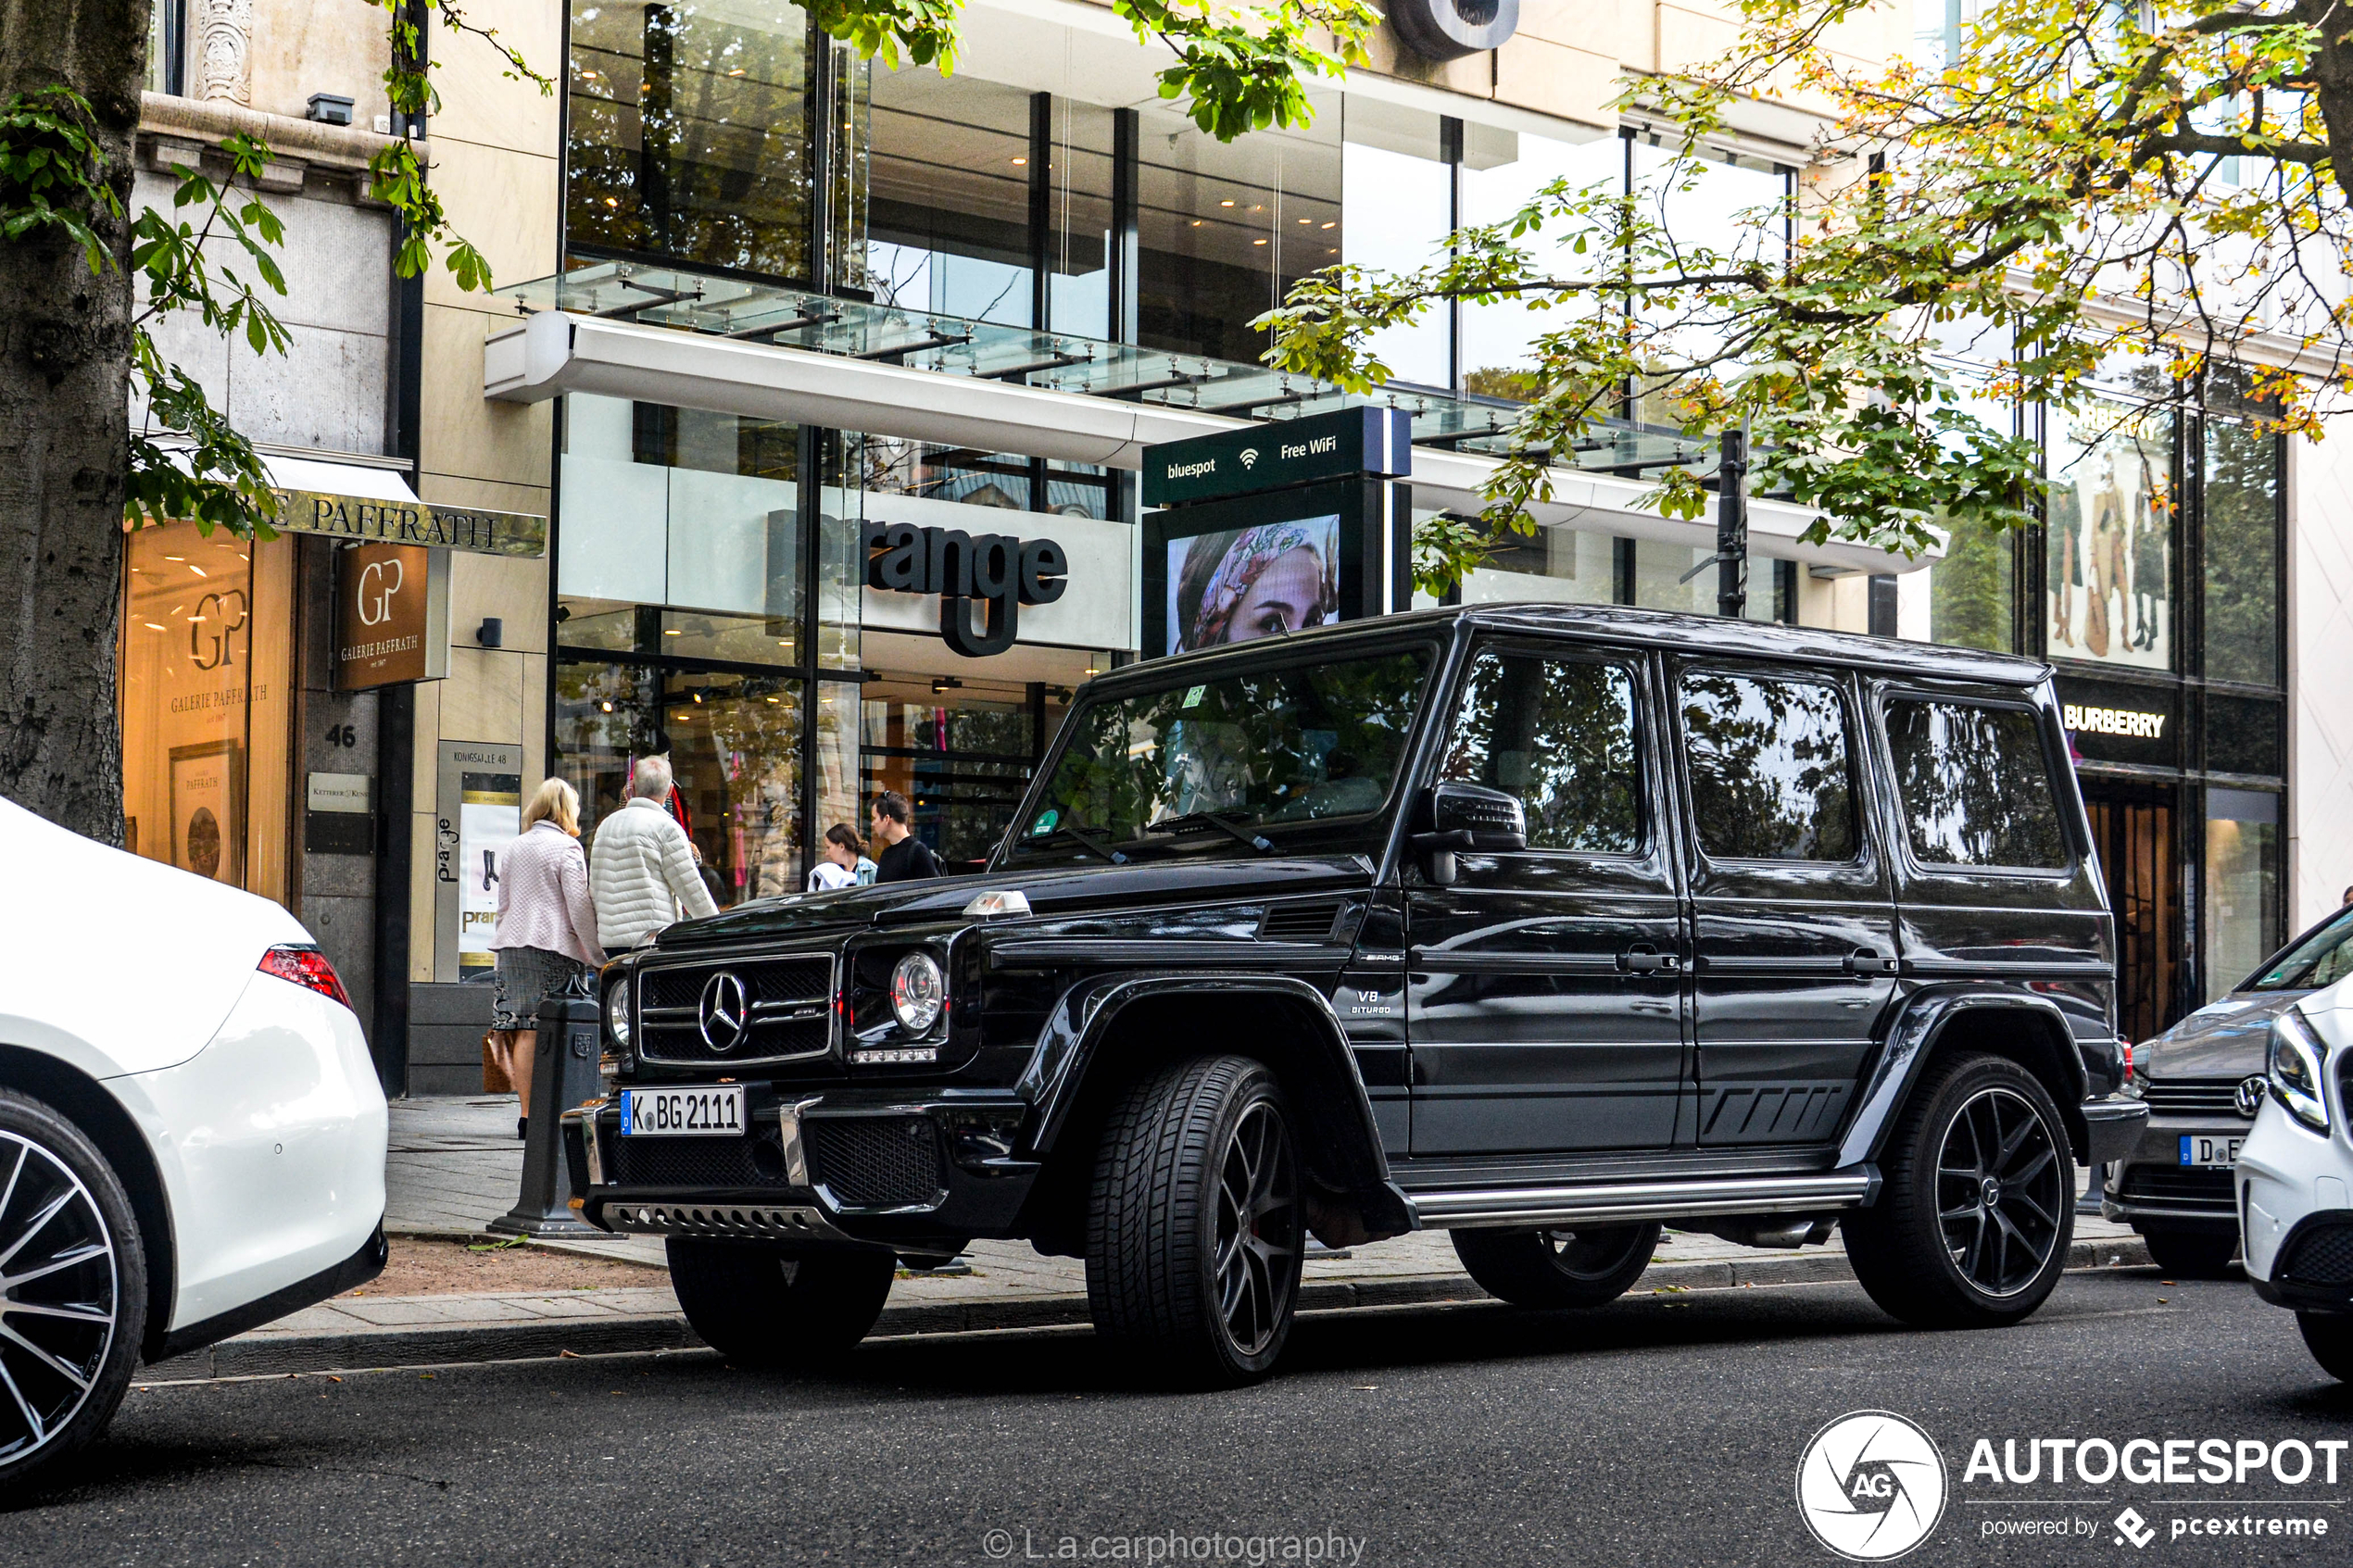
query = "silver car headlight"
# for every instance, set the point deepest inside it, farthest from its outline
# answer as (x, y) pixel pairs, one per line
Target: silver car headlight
(918, 992)
(617, 1011)
(2296, 1070)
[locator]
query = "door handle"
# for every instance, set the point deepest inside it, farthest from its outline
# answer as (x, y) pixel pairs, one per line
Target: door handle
(1647, 960)
(1866, 964)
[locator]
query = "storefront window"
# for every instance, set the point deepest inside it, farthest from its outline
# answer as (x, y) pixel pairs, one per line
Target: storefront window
(1502, 172)
(2111, 536)
(1078, 218)
(962, 768)
(2241, 572)
(1398, 189)
(948, 204)
(205, 709)
(688, 135)
(1552, 566)
(1682, 578)
(2242, 923)
(1223, 229)
(734, 744)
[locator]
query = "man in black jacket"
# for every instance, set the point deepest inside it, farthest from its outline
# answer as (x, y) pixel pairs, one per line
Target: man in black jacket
(904, 857)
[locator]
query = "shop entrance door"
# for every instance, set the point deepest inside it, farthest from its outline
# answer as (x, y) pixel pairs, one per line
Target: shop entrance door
(2132, 830)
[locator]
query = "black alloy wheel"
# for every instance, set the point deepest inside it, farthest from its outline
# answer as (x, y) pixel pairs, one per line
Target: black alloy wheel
(1258, 1245)
(1195, 1229)
(1547, 1268)
(1976, 1212)
(73, 1290)
(2001, 1187)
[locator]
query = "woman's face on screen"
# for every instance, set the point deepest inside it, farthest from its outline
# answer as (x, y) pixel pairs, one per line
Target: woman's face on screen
(1287, 595)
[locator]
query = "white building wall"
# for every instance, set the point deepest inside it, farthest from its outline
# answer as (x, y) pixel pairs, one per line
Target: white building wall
(2320, 596)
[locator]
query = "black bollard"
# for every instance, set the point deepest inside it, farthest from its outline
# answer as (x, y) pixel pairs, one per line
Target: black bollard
(564, 1075)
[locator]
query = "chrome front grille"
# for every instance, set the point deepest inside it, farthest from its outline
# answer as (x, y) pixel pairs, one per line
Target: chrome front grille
(2192, 1097)
(775, 1010)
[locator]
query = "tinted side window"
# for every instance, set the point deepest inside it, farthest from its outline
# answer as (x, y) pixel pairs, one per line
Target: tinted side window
(1559, 733)
(2322, 958)
(1769, 773)
(1975, 785)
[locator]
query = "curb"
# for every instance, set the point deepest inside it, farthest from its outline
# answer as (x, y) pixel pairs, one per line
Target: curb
(262, 1354)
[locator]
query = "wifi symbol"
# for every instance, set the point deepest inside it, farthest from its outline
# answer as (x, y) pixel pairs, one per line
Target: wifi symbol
(1250, 459)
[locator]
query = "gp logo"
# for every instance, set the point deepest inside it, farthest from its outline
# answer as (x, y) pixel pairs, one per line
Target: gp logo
(1872, 1486)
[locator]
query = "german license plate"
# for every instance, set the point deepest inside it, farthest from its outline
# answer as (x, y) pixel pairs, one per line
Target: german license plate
(716, 1112)
(2200, 1149)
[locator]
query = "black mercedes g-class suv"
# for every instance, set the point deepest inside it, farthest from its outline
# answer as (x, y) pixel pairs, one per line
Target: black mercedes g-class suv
(1541, 925)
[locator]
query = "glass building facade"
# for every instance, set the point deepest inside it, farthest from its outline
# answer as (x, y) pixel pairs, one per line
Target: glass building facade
(2155, 585)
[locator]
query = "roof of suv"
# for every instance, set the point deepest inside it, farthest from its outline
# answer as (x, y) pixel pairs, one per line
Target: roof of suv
(1698, 633)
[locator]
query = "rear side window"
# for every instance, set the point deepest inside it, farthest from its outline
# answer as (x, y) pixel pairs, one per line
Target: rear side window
(1975, 785)
(1559, 733)
(1770, 778)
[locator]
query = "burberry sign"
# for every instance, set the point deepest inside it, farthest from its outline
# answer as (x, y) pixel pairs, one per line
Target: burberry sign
(413, 522)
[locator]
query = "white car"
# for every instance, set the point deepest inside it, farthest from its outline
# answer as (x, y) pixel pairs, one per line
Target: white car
(2296, 1176)
(192, 1136)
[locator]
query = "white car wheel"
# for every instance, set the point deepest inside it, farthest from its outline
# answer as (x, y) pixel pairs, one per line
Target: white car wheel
(72, 1289)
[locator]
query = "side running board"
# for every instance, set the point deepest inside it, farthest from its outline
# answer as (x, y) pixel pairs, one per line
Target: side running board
(1848, 1188)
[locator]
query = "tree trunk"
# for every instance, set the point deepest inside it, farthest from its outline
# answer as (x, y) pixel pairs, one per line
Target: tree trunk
(65, 358)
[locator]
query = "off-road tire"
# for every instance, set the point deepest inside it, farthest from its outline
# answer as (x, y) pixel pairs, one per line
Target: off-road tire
(2190, 1254)
(1903, 1247)
(1547, 1268)
(763, 1307)
(1194, 1224)
(48, 1166)
(2329, 1335)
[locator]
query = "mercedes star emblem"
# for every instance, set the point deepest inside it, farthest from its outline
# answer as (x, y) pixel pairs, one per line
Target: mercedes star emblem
(2248, 1096)
(726, 1015)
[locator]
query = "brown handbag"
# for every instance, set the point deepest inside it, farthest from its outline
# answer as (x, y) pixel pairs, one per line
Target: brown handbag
(493, 1077)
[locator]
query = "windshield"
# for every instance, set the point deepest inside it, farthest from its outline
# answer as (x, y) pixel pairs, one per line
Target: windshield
(2322, 958)
(1254, 747)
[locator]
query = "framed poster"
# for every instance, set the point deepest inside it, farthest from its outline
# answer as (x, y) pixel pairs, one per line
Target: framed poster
(1264, 566)
(208, 809)
(478, 812)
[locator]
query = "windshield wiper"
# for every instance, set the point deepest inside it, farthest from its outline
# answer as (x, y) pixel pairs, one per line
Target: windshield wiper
(1087, 842)
(1212, 820)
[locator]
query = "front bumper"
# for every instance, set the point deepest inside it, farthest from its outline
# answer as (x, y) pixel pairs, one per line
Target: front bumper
(860, 1167)
(2152, 1187)
(2296, 1195)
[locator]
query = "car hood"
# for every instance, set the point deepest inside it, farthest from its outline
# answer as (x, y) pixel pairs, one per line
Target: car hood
(2225, 1039)
(1050, 890)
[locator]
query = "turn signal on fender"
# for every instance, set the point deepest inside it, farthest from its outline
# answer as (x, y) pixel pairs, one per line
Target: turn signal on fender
(307, 967)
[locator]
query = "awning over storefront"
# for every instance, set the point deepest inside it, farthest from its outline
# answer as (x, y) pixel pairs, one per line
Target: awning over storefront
(557, 351)
(360, 502)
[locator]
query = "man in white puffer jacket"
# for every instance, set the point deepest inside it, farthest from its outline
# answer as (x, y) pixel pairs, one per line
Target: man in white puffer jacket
(642, 867)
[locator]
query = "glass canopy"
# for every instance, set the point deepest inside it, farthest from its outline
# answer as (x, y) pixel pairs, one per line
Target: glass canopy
(1060, 361)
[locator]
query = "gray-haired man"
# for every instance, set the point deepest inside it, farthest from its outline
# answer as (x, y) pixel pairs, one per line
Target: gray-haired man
(641, 869)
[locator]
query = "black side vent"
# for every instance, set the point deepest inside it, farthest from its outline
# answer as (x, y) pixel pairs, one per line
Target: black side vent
(1300, 922)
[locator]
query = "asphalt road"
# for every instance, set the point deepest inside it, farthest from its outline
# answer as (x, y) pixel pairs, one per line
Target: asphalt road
(1661, 1430)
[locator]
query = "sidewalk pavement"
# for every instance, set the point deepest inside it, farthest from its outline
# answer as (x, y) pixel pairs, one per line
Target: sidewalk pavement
(454, 1165)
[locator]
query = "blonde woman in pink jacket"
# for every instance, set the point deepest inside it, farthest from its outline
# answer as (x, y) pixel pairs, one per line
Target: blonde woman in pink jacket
(547, 929)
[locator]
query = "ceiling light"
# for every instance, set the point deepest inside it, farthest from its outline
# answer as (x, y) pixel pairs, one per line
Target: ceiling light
(606, 706)
(151, 626)
(669, 631)
(1020, 160)
(1225, 204)
(945, 684)
(1196, 223)
(1258, 241)
(1311, 221)
(1333, 224)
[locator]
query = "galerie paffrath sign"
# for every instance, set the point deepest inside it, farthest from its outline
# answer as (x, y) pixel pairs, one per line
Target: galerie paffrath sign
(411, 522)
(392, 616)
(1374, 441)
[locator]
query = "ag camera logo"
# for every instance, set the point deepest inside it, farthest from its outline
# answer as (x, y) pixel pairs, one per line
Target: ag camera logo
(1872, 1486)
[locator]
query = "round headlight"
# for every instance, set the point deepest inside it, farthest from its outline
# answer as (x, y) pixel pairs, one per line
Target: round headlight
(917, 992)
(617, 1011)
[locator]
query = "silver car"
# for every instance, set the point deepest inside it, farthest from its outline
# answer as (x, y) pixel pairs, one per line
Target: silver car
(2202, 1081)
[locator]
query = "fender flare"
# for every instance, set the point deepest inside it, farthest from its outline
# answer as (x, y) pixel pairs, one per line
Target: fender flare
(1071, 1043)
(1911, 1040)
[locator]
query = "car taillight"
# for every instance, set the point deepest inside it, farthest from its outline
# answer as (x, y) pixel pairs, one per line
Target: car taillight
(2128, 1061)
(304, 966)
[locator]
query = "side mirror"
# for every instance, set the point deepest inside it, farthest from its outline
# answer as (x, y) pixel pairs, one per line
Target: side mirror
(1455, 817)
